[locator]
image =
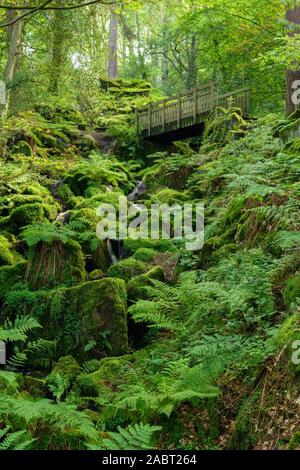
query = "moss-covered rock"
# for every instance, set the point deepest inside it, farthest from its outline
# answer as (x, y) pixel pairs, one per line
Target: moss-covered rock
(145, 254)
(80, 317)
(227, 126)
(54, 264)
(292, 290)
(7, 255)
(137, 287)
(27, 214)
(96, 275)
(132, 246)
(34, 386)
(111, 373)
(127, 269)
(86, 386)
(67, 367)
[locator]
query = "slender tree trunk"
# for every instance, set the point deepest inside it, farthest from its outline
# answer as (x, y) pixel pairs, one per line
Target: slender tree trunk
(113, 44)
(192, 67)
(140, 48)
(165, 62)
(293, 16)
(14, 34)
(58, 50)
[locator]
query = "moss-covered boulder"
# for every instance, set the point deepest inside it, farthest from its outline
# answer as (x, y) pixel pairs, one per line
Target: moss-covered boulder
(86, 320)
(292, 290)
(27, 214)
(96, 275)
(66, 367)
(137, 287)
(110, 374)
(145, 254)
(34, 386)
(227, 126)
(127, 269)
(54, 264)
(132, 246)
(7, 254)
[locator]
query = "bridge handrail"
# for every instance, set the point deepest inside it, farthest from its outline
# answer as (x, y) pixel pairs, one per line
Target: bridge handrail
(175, 97)
(188, 108)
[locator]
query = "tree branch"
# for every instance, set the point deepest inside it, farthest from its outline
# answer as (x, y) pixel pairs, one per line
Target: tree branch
(71, 7)
(30, 11)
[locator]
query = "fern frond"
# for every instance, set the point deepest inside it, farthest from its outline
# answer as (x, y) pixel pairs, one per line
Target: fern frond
(134, 437)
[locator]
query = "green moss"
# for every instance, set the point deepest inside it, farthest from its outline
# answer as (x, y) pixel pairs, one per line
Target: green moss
(54, 264)
(79, 318)
(67, 367)
(136, 288)
(34, 386)
(223, 252)
(111, 372)
(27, 214)
(170, 197)
(227, 126)
(244, 436)
(145, 254)
(7, 255)
(294, 443)
(292, 290)
(127, 269)
(86, 386)
(132, 246)
(10, 276)
(96, 275)
(85, 219)
(288, 332)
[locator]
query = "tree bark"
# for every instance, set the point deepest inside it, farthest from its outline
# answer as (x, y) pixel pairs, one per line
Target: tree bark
(58, 50)
(113, 44)
(14, 35)
(293, 16)
(192, 66)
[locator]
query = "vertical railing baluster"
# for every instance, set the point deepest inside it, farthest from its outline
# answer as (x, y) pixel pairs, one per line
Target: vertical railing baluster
(179, 109)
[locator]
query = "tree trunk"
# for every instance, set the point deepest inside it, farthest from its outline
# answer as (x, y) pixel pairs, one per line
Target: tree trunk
(58, 50)
(293, 16)
(192, 67)
(165, 61)
(14, 41)
(113, 44)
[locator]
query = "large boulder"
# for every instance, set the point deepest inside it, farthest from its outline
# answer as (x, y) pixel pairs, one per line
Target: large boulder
(87, 320)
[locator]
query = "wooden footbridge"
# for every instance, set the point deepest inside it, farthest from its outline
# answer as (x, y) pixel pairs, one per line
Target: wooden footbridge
(184, 115)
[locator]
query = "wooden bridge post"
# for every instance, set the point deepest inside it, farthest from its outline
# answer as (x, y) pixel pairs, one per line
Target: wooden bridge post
(150, 120)
(137, 120)
(164, 117)
(179, 109)
(195, 105)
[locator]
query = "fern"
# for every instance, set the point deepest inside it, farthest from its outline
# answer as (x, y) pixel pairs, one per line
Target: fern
(58, 386)
(19, 440)
(61, 417)
(19, 329)
(46, 232)
(134, 437)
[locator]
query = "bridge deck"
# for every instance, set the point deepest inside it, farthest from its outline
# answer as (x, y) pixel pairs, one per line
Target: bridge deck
(182, 114)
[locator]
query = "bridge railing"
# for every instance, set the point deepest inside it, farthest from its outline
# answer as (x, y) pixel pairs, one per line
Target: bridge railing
(187, 109)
